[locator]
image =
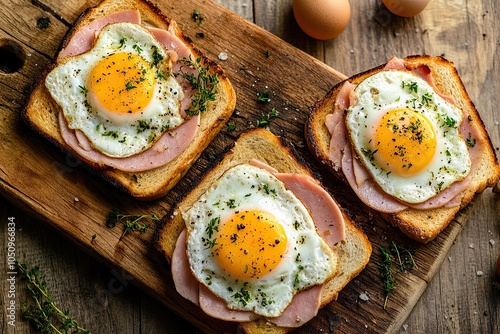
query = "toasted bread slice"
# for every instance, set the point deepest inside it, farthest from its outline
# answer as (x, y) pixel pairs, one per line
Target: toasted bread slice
(420, 225)
(41, 111)
(260, 144)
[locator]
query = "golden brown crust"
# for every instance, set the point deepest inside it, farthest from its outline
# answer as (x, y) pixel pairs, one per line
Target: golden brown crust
(420, 225)
(40, 111)
(354, 253)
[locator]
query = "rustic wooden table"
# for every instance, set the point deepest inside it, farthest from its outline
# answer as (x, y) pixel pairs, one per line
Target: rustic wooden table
(462, 296)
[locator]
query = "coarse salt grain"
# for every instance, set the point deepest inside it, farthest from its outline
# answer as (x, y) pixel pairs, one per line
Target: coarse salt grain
(223, 56)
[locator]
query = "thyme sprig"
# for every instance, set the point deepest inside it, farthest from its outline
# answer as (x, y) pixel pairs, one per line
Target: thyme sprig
(131, 222)
(203, 84)
(386, 273)
(44, 314)
(265, 119)
(405, 261)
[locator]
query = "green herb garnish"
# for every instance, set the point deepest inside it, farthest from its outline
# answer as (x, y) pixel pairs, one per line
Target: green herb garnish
(386, 273)
(405, 261)
(197, 16)
(83, 89)
(264, 119)
(122, 42)
(131, 222)
(129, 85)
(212, 226)
(157, 57)
(450, 122)
(203, 85)
(44, 314)
(412, 86)
(471, 142)
(427, 99)
(137, 48)
(369, 153)
(263, 96)
(243, 296)
(113, 134)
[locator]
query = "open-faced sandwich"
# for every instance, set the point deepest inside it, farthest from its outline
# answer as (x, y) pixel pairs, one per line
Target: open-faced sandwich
(259, 241)
(408, 140)
(131, 97)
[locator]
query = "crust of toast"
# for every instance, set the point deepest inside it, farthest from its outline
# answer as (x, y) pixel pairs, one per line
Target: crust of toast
(40, 111)
(420, 225)
(257, 143)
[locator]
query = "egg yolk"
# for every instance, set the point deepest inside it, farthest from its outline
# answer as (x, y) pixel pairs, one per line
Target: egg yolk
(405, 141)
(123, 83)
(250, 244)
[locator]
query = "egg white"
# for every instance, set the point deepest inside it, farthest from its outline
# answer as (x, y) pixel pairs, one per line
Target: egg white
(112, 134)
(384, 91)
(307, 261)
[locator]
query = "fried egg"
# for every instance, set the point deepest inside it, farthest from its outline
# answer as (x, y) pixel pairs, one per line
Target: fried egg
(407, 136)
(254, 244)
(121, 93)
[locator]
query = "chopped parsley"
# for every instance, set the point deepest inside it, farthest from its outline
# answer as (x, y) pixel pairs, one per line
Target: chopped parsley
(137, 48)
(157, 57)
(113, 134)
(122, 42)
(471, 142)
(450, 122)
(412, 86)
(242, 296)
(427, 99)
(142, 126)
(212, 226)
(129, 85)
(369, 153)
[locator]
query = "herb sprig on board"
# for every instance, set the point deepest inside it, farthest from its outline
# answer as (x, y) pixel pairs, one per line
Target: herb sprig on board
(403, 257)
(131, 222)
(265, 119)
(44, 314)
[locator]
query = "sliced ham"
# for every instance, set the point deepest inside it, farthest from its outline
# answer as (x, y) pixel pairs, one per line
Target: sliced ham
(336, 125)
(304, 307)
(216, 307)
(84, 38)
(369, 192)
(305, 304)
(325, 212)
(178, 50)
(260, 164)
(358, 176)
(172, 142)
(185, 283)
(164, 150)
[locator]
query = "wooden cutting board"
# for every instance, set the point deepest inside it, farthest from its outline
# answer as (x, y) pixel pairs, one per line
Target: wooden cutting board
(56, 189)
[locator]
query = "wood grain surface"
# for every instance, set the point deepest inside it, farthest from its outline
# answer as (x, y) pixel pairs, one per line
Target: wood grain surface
(114, 286)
